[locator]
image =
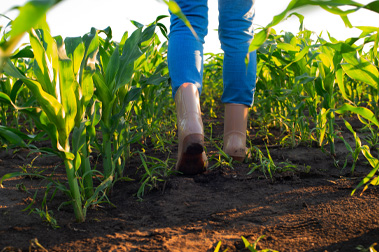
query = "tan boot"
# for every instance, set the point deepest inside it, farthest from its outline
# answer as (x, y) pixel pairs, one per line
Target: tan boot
(191, 155)
(235, 124)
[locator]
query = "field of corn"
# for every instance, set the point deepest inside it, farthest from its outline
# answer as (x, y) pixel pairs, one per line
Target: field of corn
(88, 143)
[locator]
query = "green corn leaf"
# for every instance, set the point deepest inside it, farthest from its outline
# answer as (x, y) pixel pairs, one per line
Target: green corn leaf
(11, 137)
(136, 24)
(102, 90)
(78, 138)
(42, 122)
(123, 40)
(75, 51)
(132, 95)
(322, 119)
(319, 86)
(11, 70)
(87, 87)
(67, 85)
(366, 30)
(144, 163)
(218, 247)
(341, 84)
(156, 79)
(360, 70)
(347, 145)
(160, 17)
(325, 60)
(329, 83)
(134, 139)
(301, 54)
(91, 42)
(248, 245)
(364, 112)
(148, 33)
(95, 113)
(374, 162)
(328, 5)
(105, 56)
(304, 78)
(4, 98)
(298, 56)
(278, 18)
(77, 161)
(91, 61)
(45, 72)
(373, 6)
(31, 14)
(124, 74)
(105, 96)
(112, 68)
(17, 174)
(94, 199)
(346, 21)
(358, 142)
(131, 52)
(259, 39)
(107, 31)
(348, 126)
(175, 9)
(95, 117)
(15, 90)
(23, 53)
(301, 19)
(50, 105)
(22, 135)
(87, 68)
(287, 47)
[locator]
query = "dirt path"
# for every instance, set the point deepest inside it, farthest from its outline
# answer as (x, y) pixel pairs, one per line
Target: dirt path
(303, 210)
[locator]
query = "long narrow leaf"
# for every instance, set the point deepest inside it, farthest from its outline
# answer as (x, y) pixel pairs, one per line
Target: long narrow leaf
(364, 112)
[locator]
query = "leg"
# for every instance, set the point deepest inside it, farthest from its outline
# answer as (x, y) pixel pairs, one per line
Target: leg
(185, 52)
(235, 33)
(185, 62)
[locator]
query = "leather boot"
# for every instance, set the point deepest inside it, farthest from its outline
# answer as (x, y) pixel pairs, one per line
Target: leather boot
(235, 124)
(191, 155)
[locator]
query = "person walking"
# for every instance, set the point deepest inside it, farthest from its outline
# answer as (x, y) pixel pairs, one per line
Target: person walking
(185, 63)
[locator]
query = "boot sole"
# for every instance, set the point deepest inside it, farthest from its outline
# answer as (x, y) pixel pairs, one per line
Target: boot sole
(239, 159)
(193, 160)
(238, 154)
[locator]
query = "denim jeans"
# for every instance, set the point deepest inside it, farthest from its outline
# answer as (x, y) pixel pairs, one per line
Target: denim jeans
(185, 52)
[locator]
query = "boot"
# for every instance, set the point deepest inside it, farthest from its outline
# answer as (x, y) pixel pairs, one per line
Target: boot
(191, 155)
(235, 124)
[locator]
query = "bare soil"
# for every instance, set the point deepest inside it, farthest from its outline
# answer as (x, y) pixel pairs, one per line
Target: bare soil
(309, 208)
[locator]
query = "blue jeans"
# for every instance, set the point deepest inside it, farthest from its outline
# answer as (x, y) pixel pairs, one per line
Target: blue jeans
(185, 52)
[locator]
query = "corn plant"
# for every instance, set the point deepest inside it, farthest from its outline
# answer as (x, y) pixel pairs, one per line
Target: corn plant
(358, 147)
(250, 246)
(115, 95)
(63, 88)
(253, 246)
(30, 16)
(328, 71)
(371, 178)
(120, 80)
(153, 80)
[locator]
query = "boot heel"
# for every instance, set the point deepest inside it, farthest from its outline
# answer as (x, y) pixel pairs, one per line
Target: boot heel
(235, 125)
(193, 144)
(193, 159)
(191, 156)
